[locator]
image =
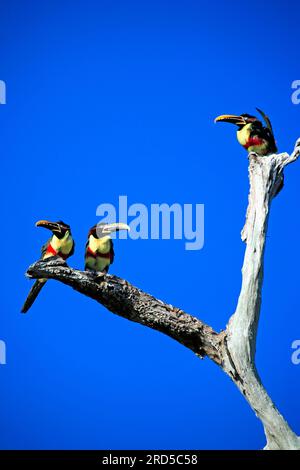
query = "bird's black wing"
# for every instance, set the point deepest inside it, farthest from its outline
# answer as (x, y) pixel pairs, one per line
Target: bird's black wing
(112, 252)
(267, 121)
(44, 247)
(259, 130)
(271, 139)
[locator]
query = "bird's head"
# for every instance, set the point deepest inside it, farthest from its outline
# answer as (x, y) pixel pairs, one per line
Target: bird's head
(59, 229)
(104, 230)
(240, 121)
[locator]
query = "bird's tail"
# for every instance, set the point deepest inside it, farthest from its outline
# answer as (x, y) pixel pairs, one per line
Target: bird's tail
(33, 293)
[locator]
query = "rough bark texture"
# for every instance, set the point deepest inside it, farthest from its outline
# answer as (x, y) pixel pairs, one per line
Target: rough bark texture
(233, 349)
(127, 301)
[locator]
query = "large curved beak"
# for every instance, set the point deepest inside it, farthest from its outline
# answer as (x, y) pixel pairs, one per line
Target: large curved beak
(232, 119)
(47, 224)
(109, 228)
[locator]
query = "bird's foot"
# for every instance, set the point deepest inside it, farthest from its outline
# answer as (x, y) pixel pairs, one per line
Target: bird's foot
(97, 276)
(100, 277)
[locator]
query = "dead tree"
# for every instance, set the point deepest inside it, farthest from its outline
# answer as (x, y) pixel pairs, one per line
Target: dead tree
(232, 349)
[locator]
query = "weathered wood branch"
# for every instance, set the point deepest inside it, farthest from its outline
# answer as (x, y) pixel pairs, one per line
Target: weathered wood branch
(127, 301)
(265, 175)
(233, 349)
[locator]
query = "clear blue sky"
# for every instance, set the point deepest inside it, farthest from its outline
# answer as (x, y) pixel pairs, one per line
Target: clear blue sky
(118, 98)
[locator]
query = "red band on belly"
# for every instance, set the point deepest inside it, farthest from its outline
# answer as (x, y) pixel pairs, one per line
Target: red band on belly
(98, 255)
(50, 250)
(253, 141)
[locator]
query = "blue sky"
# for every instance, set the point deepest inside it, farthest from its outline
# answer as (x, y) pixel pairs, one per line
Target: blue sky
(118, 98)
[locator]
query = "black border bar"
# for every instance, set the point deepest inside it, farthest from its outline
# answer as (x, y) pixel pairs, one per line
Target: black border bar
(138, 458)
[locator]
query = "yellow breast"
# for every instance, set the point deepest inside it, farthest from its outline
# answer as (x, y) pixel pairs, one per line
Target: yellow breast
(99, 245)
(243, 134)
(63, 245)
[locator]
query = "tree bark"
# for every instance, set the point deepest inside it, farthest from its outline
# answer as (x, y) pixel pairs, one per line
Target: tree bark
(233, 349)
(265, 175)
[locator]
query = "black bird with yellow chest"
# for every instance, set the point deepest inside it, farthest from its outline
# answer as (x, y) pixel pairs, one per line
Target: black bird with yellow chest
(61, 244)
(252, 134)
(99, 250)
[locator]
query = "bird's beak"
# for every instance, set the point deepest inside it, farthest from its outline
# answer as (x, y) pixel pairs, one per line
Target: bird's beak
(109, 228)
(232, 119)
(49, 225)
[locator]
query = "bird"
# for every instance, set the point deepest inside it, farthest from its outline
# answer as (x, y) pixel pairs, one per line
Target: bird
(61, 244)
(99, 250)
(252, 134)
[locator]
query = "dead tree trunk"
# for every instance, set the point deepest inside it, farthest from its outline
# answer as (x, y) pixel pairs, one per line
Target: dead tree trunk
(233, 349)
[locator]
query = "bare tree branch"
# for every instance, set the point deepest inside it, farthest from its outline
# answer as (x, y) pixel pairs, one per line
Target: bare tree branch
(233, 349)
(127, 301)
(285, 159)
(265, 175)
